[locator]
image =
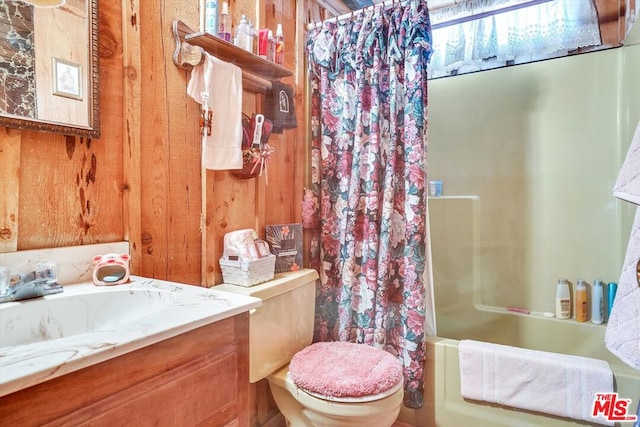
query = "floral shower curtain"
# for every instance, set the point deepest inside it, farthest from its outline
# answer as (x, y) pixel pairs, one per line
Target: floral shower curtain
(368, 79)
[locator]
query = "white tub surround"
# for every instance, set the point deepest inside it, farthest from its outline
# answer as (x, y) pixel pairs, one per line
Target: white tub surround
(44, 338)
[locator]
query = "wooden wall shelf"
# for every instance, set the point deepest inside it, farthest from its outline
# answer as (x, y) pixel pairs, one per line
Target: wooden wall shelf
(257, 72)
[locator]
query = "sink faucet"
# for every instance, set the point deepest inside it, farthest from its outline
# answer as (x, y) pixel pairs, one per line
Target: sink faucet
(29, 285)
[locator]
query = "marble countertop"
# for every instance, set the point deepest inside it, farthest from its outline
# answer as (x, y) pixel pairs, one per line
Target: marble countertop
(47, 337)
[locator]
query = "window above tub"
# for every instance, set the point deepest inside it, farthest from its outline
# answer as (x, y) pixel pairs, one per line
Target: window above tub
(476, 35)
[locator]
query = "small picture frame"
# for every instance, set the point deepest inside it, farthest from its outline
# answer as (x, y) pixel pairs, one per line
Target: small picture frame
(67, 79)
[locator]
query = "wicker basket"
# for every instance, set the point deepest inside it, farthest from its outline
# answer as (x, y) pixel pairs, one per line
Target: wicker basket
(248, 273)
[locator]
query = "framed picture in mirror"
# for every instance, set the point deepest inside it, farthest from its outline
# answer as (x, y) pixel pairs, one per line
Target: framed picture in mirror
(67, 79)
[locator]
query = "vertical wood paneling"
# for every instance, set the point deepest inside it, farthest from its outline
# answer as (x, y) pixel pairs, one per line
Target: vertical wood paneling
(9, 188)
(132, 132)
(71, 204)
(282, 199)
(184, 141)
(154, 146)
(170, 147)
(141, 181)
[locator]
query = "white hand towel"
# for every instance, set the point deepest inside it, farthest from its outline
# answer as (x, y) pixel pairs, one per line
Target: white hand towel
(223, 82)
(622, 337)
(627, 185)
(551, 383)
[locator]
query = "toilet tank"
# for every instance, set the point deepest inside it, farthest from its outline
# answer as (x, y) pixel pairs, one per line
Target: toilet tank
(283, 325)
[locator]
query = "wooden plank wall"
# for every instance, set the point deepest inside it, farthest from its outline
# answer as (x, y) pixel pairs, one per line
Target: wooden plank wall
(141, 180)
(60, 191)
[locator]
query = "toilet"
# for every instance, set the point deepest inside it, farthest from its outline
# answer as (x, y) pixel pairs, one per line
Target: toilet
(300, 373)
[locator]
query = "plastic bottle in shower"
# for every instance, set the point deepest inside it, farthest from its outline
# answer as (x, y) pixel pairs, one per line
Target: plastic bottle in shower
(563, 300)
(224, 28)
(597, 302)
(612, 288)
(581, 301)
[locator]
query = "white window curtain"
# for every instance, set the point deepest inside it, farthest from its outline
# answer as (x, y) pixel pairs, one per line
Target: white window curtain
(531, 33)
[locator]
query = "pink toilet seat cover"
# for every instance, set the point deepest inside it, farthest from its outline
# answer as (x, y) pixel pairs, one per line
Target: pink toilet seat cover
(344, 369)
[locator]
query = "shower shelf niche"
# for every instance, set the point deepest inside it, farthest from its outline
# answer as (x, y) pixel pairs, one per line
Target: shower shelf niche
(257, 72)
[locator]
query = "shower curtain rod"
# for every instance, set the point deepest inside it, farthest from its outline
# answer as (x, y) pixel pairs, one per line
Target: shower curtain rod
(439, 5)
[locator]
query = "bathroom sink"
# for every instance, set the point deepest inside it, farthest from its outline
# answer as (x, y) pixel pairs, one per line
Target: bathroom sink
(64, 315)
(46, 337)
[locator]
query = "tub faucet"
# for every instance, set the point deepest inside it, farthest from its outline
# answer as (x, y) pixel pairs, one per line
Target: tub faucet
(29, 285)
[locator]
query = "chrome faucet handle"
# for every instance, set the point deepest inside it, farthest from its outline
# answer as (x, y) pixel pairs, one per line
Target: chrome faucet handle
(29, 285)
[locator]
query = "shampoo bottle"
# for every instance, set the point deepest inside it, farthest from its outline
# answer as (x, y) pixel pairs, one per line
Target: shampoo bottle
(597, 303)
(563, 300)
(581, 301)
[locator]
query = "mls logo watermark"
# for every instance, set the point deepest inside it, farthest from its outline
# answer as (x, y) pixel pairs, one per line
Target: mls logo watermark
(613, 408)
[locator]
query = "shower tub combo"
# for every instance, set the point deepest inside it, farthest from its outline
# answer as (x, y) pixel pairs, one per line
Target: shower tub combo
(460, 265)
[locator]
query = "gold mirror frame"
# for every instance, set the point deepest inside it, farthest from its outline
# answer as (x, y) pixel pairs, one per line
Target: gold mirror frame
(93, 128)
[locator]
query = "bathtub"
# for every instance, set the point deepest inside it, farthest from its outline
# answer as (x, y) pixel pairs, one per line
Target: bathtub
(445, 407)
(48, 337)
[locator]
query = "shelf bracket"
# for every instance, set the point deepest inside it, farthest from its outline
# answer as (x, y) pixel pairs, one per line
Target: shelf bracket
(185, 56)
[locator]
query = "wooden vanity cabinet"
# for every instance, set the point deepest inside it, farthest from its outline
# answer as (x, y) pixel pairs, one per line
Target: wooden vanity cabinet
(198, 378)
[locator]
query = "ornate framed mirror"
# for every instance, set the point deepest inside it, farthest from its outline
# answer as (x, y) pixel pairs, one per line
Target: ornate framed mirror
(49, 74)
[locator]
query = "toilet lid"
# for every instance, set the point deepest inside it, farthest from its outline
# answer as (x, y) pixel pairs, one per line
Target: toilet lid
(344, 369)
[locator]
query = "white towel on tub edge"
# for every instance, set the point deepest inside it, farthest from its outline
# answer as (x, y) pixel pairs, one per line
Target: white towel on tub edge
(551, 383)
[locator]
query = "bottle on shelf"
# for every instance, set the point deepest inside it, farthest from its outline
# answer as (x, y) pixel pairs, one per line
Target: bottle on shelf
(581, 301)
(612, 288)
(271, 50)
(279, 46)
(263, 43)
(252, 34)
(242, 39)
(224, 27)
(563, 300)
(211, 16)
(597, 302)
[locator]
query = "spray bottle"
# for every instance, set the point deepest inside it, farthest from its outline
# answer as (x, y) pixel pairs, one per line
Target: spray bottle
(279, 56)
(224, 29)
